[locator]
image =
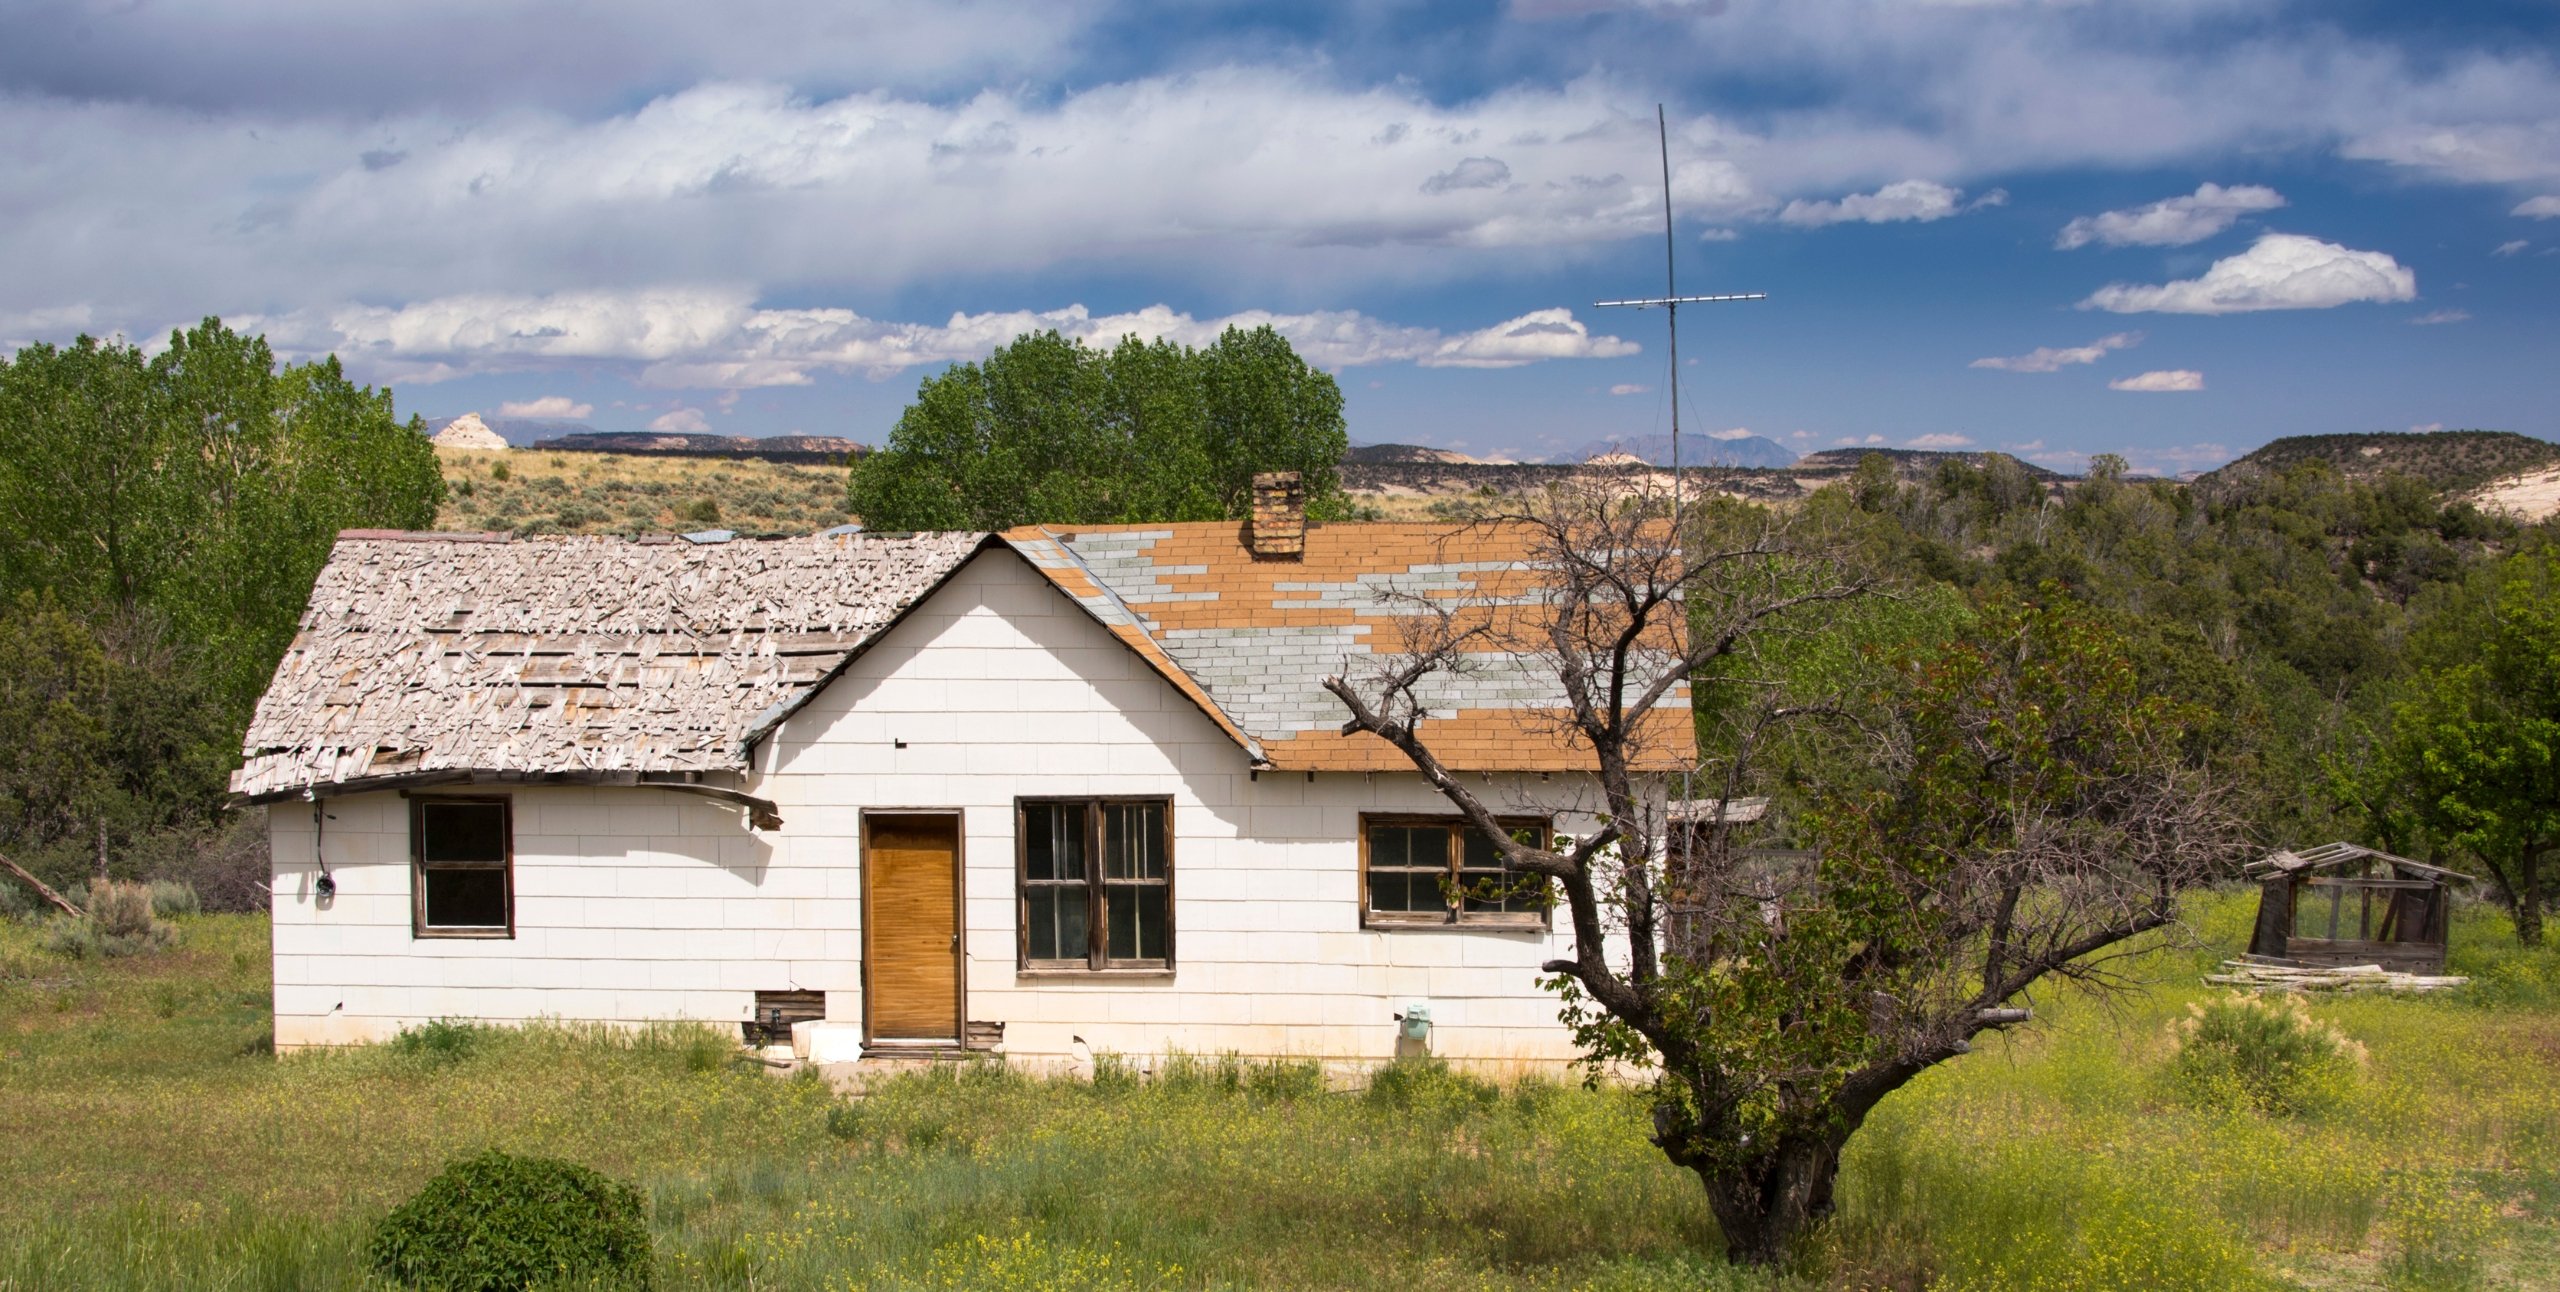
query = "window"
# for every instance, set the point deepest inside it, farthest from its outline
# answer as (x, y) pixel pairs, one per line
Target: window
(462, 852)
(1096, 883)
(1434, 871)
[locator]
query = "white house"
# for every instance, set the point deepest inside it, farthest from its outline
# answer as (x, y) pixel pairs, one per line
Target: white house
(1027, 792)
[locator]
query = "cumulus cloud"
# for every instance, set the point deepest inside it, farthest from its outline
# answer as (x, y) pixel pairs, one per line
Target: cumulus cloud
(1731, 433)
(709, 338)
(2045, 358)
(2472, 152)
(2171, 222)
(2434, 318)
(1938, 440)
(1629, 388)
(682, 421)
(2511, 246)
(1904, 200)
(551, 406)
(2162, 381)
(2281, 271)
(2545, 207)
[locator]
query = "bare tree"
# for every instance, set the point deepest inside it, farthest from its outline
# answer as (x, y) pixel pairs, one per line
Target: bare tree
(1974, 818)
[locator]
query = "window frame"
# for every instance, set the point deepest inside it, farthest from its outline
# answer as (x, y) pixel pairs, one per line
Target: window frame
(1097, 959)
(418, 867)
(1454, 914)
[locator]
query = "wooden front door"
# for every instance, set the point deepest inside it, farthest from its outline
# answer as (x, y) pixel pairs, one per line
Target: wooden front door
(911, 926)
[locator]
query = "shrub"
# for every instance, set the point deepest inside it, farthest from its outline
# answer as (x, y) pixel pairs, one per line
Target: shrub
(440, 1041)
(498, 470)
(497, 1222)
(171, 898)
(2263, 1053)
(16, 901)
(118, 921)
(704, 510)
(1430, 1085)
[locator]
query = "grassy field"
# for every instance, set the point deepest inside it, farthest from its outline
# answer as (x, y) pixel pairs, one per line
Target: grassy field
(525, 492)
(148, 1139)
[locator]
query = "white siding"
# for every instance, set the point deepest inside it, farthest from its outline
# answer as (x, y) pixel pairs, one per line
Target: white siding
(638, 904)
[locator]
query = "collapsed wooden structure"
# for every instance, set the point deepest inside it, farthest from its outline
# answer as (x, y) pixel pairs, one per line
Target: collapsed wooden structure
(2344, 904)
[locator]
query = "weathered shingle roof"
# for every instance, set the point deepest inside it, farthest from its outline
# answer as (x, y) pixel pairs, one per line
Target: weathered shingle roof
(1252, 640)
(431, 653)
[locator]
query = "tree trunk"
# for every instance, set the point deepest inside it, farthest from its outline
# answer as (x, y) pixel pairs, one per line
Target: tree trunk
(1764, 1205)
(102, 851)
(2528, 897)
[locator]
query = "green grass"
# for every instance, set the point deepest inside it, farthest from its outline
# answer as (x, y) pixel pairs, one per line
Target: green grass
(148, 1139)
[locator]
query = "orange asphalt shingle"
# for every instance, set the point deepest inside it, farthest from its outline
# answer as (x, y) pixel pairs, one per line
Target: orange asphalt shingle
(1251, 641)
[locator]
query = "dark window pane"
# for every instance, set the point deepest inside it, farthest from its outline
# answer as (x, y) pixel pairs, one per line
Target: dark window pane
(1405, 845)
(1406, 890)
(1133, 841)
(1053, 840)
(1137, 922)
(463, 831)
(1058, 917)
(473, 898)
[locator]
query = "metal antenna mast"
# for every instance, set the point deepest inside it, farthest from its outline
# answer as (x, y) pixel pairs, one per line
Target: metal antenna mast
(1671, 300)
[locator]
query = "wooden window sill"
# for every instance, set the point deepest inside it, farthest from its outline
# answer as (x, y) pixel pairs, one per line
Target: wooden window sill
(1063, 972)
(1378, 923)
(466, 935)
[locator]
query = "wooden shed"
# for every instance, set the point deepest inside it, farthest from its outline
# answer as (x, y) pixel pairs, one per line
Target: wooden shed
(2344, 904)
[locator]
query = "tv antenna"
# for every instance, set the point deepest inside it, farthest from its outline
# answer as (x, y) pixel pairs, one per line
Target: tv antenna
(1671, 300)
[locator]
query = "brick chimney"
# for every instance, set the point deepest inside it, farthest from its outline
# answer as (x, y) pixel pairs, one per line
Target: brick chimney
(1278, 530)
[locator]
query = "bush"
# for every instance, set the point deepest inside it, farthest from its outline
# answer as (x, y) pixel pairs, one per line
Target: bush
(171, 898)
(118, 922)
(2262, 1053)
(497, 1222)
(1430, 1085)
(17, 901)
(705, 511)
(441, 1041)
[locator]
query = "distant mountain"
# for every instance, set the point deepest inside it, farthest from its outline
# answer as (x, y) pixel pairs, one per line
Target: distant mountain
(2448, 460)
(776, 448)
(521, 432)
(1907, 463)
(1696, 451)
(1381, 454)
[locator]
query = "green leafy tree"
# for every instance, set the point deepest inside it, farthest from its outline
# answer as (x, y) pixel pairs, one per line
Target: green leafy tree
(203, 484)
(2470, 758)
(1049, 430)
(1978, 811)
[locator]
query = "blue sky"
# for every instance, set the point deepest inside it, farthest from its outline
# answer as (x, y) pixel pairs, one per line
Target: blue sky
(2172, 229)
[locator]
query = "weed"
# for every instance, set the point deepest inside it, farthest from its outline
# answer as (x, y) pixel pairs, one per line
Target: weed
(171, 898)
(441, 1041)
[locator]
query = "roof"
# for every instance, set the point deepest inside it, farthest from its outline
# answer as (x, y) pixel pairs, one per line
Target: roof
(2329, 856)
(1251, 640)
(428, 653)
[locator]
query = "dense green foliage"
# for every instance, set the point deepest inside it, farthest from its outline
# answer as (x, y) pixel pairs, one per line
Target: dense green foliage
(2446, 460)
(1047, 430)
(498, 1223)
(2262, 1053)
(2469, 759)
(162, 518)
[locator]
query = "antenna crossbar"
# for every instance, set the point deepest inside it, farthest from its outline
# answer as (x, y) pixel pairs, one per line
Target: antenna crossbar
(1650, 302)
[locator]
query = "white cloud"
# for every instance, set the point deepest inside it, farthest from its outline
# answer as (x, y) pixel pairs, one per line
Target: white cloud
(2434, 317)
(2171, 222)
(1629, 388)
(2544, 207)
(1539, 334)
(708, 338)
(1717, 235)
(2426, 428)
(1731, 433)
(2045, 358)
(682, 421)
(1938, 440)
(551, 406)
(1910, 199)
(2281, 271)
(2164, 380)
(2472, 152)
(2510, 247)
(1852, 439)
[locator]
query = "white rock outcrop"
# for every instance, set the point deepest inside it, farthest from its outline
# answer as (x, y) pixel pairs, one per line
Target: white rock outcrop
(468, 432)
